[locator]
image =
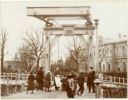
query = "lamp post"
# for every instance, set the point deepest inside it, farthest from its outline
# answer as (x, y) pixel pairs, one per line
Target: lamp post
(96, 48)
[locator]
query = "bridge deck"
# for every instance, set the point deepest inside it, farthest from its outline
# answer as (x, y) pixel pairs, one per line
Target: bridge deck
(42, 94)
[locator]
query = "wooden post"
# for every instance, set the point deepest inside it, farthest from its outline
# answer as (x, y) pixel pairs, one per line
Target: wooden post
(119, 79)
(11, 77)
(110, 80)
(123, 80)
(7, 79)
(22, 81)
(11, 84)
(7, 85)
(98, 88)
(114, 79)
(4, 78)
(18, 78)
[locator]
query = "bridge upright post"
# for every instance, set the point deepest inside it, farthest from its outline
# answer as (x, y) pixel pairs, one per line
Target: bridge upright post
(90, 48)
(47, 51)
(97, 44)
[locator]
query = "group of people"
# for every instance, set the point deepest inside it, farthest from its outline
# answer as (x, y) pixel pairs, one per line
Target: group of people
(76, 83)
(42, 81)
(73, 84)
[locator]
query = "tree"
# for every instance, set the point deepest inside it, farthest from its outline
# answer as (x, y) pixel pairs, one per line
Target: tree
(26, 58)
(77, 54)
(33, 46)
(58, 67)
(3, 40)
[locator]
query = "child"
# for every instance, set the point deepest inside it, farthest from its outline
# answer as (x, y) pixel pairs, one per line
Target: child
(31, 85)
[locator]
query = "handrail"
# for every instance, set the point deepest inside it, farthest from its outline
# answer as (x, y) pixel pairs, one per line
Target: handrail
(114, 79)
(110, 83)
(13, 78)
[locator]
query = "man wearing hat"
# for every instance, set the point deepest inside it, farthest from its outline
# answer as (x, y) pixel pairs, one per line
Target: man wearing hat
(90, 80)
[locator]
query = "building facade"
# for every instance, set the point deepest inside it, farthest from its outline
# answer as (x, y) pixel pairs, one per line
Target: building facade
(112, 56)
(12, 66)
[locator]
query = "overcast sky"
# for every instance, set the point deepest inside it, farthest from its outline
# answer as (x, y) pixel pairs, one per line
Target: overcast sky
(113, 16)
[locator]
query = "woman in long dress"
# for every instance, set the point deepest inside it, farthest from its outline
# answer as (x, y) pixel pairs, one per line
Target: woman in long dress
(47, 82)
(31, 85)
(57, 80)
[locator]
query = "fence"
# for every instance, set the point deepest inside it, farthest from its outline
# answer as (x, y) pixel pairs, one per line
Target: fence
(13, 83)
(111, 87)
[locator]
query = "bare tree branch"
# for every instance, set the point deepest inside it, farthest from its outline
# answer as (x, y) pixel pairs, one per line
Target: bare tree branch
(3, 40)
(35, 43)
(76, 53)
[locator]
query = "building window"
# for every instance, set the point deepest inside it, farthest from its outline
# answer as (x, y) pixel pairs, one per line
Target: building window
(124, 66)
(124, 51)
(103, 67)
(108, 52)
(117, 52)
(109, 67)
(103, 50)
(118, 66)
(118, 69)
(100, 52)
(100, 67)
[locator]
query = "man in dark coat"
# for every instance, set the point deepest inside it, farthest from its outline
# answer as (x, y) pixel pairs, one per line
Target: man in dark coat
(40, 78)
(81, 80)
(90, 80)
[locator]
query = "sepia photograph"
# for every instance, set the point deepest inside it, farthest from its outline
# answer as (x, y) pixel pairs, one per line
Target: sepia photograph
(64, 49)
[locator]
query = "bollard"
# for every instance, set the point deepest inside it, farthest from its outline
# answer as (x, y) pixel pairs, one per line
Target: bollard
(97, 88)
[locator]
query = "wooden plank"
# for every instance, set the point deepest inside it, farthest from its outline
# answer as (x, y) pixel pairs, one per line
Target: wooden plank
(58, 11)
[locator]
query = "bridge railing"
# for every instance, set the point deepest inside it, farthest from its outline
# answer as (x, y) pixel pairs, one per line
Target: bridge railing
(13, 83)
(114, 79)
(13, 78)
(111, 87)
